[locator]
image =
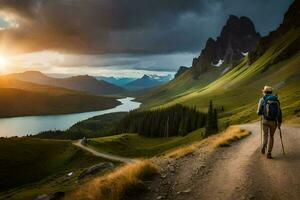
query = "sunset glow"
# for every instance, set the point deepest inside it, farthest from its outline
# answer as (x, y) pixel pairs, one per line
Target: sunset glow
(3, 63)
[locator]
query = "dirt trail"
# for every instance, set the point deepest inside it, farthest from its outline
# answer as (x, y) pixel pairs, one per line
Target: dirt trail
(103, 155)
(236, 172)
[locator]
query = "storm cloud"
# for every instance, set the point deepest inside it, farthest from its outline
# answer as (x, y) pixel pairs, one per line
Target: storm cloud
(126, 26)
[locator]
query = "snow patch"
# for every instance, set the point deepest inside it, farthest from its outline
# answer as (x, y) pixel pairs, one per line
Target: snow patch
(220, 62)
(245, 53)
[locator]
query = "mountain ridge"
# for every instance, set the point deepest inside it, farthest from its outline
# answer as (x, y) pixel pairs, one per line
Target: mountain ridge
(84, 83)
(237, 36)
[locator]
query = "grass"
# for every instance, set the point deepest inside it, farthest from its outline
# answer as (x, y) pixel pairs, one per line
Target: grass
(134, 145)
(99, 126)
(128, 178)
(29, 167)
(239, 89)
(20, 98)
(174, 89)
(115, 185)
(230, 135)
(225, 138)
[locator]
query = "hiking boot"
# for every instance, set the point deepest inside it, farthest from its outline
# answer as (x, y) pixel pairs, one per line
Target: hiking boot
(269, 156)
(263, 151)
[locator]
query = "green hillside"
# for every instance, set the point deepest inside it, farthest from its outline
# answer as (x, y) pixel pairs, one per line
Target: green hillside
(29, 167)
(134, 145)
(20, 98)
(178, 87)
(239, 89)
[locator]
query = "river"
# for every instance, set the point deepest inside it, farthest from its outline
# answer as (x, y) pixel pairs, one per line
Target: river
(21, 126)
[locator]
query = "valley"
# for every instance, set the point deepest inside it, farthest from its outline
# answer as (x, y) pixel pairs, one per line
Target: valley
(196, 135)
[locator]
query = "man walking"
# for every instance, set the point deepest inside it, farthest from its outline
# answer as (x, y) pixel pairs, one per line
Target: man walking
(269, 109)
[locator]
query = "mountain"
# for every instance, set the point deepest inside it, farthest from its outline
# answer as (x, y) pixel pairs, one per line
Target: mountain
(122, 81)
(181, 70)
(21, 98)
(237, 38)
(143, 82)
(148, 81)
(238, 88)
(82, 83)
(290, 21)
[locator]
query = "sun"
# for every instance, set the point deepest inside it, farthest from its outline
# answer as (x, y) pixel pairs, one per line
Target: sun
(3, 63)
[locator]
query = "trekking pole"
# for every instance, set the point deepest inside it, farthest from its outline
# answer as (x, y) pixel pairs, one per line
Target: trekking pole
(280, 133)
(261, 132)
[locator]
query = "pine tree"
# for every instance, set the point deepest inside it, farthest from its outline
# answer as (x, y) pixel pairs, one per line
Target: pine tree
(211, 121)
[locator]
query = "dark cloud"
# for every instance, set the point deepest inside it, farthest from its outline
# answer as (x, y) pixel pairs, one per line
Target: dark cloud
(128, 26)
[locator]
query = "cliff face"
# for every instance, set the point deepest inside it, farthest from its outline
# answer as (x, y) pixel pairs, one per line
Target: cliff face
(238, 36)
(290, 21)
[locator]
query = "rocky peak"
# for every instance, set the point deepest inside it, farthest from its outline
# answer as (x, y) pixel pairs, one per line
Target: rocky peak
(238, 36)
(290, 21)
(181, 70)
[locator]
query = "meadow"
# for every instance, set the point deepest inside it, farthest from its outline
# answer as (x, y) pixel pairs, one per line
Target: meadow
(31, 167)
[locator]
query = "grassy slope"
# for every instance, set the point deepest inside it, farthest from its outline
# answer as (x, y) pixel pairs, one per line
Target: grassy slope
(174, 89)
(20, 98)
(43, 163)
(134, 145)
(239, 89)
(102, 125)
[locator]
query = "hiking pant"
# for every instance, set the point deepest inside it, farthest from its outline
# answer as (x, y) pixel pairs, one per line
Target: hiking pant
(269, 128)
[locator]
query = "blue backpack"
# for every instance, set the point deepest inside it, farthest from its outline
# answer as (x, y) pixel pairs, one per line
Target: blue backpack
(271, 107)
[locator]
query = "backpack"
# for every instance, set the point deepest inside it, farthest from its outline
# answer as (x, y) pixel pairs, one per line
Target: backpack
(271, 107)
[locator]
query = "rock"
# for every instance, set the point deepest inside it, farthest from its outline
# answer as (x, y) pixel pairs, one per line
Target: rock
(163, 176)
(186, 191)
(70, 174)
(54, 196)
(171, 168)
(290, 21)
(95, 169)
(238, 36)
(159, 197)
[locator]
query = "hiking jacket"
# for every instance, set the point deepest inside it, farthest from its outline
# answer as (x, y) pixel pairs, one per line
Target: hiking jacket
(260, 110)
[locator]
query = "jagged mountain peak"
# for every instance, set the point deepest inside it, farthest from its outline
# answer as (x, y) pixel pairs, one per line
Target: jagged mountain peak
(237, 36)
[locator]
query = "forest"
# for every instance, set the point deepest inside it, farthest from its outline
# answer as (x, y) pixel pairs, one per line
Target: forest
(177, 120)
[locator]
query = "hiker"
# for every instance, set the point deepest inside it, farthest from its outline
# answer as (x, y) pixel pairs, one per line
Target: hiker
(269, 109)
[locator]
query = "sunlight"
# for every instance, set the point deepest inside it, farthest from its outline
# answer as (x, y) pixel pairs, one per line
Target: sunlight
(3, 63)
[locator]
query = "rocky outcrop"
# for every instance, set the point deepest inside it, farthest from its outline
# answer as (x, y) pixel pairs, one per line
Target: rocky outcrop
(237, 37)
(290, 21)
(181, 70)
(95, 169)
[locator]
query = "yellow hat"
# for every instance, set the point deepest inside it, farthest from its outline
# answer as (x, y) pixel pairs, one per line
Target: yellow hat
(267, 89)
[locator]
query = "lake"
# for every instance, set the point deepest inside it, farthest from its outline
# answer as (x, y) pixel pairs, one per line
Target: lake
(21, 126)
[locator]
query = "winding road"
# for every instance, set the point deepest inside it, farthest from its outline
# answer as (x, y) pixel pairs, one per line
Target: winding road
(102, 155)
(237, 172)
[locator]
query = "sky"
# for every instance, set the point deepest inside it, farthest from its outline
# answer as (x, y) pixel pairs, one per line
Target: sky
(118, 37)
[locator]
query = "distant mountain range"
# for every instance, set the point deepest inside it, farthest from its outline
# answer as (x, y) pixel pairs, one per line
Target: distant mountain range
(119, 81)
(82, 83)
(146, 81)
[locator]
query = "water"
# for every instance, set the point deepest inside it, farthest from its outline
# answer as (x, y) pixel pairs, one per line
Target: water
(20, 126)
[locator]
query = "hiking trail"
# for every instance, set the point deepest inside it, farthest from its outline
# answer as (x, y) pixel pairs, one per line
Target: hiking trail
(236, 172)
(102, 155)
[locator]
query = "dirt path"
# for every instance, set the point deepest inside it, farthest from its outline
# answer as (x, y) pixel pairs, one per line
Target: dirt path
(103, 155)
(236, 172)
